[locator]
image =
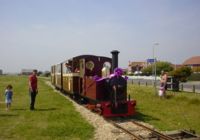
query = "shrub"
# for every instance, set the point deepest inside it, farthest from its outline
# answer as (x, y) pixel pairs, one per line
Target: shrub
(182, 73)
(160, 66)
(194, 77)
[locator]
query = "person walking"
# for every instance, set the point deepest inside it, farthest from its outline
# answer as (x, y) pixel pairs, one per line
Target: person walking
(33, 89)
(8, 96)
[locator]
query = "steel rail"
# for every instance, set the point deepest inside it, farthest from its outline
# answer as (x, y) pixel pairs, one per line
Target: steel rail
(161, 136)
(126, 131)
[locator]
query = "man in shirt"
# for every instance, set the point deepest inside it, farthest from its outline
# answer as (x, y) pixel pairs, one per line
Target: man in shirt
(33, 90)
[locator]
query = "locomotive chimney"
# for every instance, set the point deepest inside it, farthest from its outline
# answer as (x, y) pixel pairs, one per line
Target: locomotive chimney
(114, 59)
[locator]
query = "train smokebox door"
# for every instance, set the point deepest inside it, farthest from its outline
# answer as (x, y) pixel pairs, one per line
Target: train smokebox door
(82, 74)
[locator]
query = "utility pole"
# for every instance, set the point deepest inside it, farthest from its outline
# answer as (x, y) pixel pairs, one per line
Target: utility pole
(155, 74)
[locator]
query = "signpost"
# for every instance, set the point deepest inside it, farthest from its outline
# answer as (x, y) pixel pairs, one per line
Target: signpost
(150, 60)
(154, 58)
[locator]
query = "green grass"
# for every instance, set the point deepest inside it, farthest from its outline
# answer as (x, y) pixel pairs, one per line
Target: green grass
(178, 111)
(54, 117)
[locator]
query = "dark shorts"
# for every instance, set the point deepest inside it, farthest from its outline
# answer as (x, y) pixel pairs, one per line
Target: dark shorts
(164, 85)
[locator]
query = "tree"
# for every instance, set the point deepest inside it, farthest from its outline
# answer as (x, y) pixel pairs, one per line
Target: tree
(47, 73)
(160, 66)
(147, 71)
(39, 73)
(182, 73)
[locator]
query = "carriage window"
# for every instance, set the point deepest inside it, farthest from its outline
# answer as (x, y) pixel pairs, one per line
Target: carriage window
(58, 69)
(67, 68)
(106, 69)
(90, 65)
(107, 64)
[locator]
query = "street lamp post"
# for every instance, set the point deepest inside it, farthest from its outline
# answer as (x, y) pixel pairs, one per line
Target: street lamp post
(155, 80)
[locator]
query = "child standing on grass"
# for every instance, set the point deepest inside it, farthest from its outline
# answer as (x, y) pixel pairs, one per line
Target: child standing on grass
(161, 90)
(8, 96)
(163, 84)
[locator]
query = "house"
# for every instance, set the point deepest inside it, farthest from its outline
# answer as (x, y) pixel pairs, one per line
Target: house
(193, 63)
(136, 66)
(176, 66)
(26, 71)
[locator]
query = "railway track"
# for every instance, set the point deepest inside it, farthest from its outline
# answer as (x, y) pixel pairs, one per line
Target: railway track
(136, 133)
(143, 132)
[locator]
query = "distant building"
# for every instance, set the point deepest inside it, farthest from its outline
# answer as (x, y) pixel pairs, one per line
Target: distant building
(193, 63)
(136, 66)
(1, 72)
(176, 66)
(26, 71)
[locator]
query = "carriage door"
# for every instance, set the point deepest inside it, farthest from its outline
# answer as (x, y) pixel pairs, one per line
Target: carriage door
(82, 76)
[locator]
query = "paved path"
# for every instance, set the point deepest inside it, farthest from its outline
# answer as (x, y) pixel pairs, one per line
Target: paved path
(188, 86)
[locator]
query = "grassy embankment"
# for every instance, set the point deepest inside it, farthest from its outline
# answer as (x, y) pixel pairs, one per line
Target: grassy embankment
(179, 110)
(54, 117)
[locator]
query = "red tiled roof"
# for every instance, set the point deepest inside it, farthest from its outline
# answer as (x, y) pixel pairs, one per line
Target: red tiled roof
(195, 60)
(176, 65)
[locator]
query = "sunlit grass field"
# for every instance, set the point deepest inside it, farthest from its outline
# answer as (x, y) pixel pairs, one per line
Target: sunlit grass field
(54, 117)
(178, 111)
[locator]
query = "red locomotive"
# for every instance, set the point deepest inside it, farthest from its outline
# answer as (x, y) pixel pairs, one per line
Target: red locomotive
(95, 80)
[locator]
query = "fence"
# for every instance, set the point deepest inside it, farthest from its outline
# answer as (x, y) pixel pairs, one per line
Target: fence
(182, 87)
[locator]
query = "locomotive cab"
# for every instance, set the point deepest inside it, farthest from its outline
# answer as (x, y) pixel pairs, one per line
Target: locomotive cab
(90, 67)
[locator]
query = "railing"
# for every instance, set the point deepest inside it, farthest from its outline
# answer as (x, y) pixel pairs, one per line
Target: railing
(182, 87)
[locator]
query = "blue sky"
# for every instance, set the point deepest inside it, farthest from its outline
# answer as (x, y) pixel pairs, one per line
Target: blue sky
(40, 33)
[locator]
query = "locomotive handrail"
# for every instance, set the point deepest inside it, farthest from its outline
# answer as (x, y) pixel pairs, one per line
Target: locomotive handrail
(71, 74)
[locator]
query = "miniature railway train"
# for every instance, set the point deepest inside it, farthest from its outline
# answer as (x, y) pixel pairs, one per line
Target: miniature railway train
(95, 80)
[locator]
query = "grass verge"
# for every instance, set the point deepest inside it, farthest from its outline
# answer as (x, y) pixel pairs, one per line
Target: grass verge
(179, 110)
(53, 118)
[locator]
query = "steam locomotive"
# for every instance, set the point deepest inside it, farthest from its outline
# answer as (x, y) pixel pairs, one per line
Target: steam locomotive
(95, 80)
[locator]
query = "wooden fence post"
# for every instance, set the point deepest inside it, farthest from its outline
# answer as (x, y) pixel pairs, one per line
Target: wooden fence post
(193, 88)
(181, 87)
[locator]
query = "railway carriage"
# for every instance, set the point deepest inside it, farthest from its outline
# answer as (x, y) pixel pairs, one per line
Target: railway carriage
(53, 68)
(58, 76)
(89, 78)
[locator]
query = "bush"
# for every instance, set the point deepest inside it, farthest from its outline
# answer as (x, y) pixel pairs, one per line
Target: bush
(194, 77)
(160, 66)
(182, 73)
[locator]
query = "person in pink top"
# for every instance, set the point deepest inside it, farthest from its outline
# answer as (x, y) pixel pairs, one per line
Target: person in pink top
(33, 89)
(163, 82)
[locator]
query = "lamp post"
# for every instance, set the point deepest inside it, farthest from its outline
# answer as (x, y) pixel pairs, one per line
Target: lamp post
(155, 80)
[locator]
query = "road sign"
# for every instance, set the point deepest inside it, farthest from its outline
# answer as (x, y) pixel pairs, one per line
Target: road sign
(151, 60)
